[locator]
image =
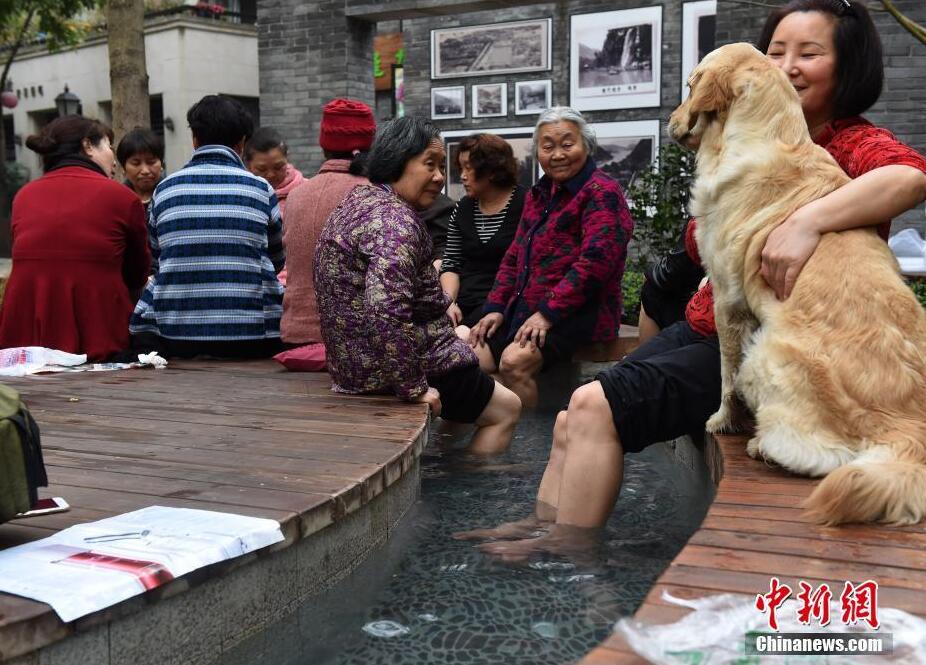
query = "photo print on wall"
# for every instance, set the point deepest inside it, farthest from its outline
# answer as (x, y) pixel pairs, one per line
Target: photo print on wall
(615, 59)
(699, 28)
(532, 97)
(626, 148)
(521, 141)
(490, 100)
(448, 103)
(501, 48)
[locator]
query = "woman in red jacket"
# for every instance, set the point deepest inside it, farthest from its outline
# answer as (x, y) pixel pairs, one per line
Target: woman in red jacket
(79, 247)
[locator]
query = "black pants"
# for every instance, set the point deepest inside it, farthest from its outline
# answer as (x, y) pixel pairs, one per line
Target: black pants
(179, 348)
(666, 388)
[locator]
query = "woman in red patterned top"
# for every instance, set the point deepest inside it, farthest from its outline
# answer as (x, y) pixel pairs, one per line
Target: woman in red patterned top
(668, 387)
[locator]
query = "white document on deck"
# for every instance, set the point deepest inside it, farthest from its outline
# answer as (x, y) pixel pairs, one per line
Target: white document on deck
(89, 567)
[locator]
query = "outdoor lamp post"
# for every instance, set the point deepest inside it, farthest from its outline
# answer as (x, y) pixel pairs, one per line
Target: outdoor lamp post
(68, 103)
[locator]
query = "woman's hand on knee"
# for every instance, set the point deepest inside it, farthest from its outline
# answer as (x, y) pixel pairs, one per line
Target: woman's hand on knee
(485, 328)
(534, 331)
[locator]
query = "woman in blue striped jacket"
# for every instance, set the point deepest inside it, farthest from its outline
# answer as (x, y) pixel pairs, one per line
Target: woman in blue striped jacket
(216, 239)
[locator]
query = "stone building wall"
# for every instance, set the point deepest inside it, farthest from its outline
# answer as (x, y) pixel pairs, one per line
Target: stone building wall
(313, 51)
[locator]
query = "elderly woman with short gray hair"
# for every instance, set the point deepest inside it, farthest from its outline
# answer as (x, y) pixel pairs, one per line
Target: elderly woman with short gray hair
(381, 308)
(559, 285)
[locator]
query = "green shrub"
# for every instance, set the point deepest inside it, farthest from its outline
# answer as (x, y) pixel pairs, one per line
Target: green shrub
(630, 289)
(658, 201)
(919, 290)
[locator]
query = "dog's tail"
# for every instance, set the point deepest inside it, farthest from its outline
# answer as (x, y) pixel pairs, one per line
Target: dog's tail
(886, 483)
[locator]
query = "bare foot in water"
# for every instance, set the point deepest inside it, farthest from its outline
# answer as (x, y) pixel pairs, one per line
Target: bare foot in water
(575, 543)
(519, 529)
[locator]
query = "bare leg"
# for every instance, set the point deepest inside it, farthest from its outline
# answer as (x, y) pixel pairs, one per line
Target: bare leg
(547, 495)
(518, 367)
(496, 423)
(591, 479)
(486, 360)
(648, 327)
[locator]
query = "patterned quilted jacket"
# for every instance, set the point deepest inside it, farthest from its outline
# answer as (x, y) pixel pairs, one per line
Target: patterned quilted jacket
(567, 257)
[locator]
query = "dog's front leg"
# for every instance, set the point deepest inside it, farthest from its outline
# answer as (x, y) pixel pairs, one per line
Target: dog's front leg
(735, 325)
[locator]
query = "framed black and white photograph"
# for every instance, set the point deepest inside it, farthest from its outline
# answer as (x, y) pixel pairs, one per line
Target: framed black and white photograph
(615, 59)
(521, 141)
(499, 48)
(699, 28)
(448, 103)
(490, 100)
(532, 97)
(626, 148)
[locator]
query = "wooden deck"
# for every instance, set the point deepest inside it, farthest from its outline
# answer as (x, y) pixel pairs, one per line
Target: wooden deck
(245, 437)
(755, 530)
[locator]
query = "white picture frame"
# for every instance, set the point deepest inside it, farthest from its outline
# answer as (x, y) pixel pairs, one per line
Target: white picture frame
(626, 148)
(448, 103)
(615, 59)
(498, 48)
(533, 97)
(489, 100)
(699, 36)
(521, 140)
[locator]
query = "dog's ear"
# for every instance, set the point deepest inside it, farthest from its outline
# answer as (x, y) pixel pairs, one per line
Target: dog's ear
(711, 90)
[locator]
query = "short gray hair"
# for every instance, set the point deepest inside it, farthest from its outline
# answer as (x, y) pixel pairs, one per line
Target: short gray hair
(396, 142)
(567, 114)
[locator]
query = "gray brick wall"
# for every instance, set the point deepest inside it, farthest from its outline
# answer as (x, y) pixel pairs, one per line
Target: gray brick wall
(310, 52)
(418, 81)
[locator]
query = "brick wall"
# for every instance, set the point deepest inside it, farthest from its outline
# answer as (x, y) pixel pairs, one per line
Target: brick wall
(901, 107)
(310, 52)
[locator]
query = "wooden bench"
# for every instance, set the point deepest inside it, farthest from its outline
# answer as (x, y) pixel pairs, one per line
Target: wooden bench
(628, 340)
(755, 530)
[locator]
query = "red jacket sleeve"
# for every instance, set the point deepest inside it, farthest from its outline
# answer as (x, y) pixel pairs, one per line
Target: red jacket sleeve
(507, 274)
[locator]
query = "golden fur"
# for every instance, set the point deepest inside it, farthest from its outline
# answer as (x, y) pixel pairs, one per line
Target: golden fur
(836, 374)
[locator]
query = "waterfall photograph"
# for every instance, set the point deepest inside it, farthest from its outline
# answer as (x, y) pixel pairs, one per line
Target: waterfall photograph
(615, 59)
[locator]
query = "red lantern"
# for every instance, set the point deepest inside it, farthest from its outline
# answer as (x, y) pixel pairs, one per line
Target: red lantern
(9, 99)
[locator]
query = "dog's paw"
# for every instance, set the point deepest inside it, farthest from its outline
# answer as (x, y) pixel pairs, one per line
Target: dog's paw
(752, 448)
(721, 422)
(732, 417)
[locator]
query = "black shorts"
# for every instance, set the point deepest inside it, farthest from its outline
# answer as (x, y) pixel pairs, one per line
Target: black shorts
(666, 388)
(179, 348)
(663, 307)
(464, 393)
(556, 347)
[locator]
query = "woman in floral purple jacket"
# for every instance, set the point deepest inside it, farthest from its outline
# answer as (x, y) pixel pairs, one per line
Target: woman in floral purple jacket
(381, 307)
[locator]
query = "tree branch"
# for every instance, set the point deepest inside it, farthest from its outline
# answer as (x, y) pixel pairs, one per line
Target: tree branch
(914, 28)
(13, 51)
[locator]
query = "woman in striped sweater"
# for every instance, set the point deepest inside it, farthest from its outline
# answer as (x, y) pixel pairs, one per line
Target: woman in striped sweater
(481, 227)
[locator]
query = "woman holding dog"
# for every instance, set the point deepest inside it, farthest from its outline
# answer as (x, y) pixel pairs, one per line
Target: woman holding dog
(831, 52)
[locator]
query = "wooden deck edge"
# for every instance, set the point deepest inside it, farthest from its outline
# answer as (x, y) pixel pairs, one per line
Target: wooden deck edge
(43, 628)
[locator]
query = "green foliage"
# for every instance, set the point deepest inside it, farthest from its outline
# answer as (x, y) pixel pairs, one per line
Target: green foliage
(631, 285)
(919, 290)
(59, 23)
(658, 200)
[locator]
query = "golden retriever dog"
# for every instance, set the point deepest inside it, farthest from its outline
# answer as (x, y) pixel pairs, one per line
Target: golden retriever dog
(836, 374)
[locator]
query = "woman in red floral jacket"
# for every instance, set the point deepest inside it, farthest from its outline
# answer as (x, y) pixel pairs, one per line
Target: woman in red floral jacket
(559, 284)
(670, 386)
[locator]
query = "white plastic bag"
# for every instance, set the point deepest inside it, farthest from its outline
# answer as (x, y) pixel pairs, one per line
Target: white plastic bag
(714, 633)
(907, 243)
(23, 360)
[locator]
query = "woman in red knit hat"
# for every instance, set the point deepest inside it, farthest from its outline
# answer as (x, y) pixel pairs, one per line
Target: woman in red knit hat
(346, 134)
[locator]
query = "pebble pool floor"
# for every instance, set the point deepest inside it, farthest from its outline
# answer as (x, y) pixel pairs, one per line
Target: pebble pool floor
(426, 598)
